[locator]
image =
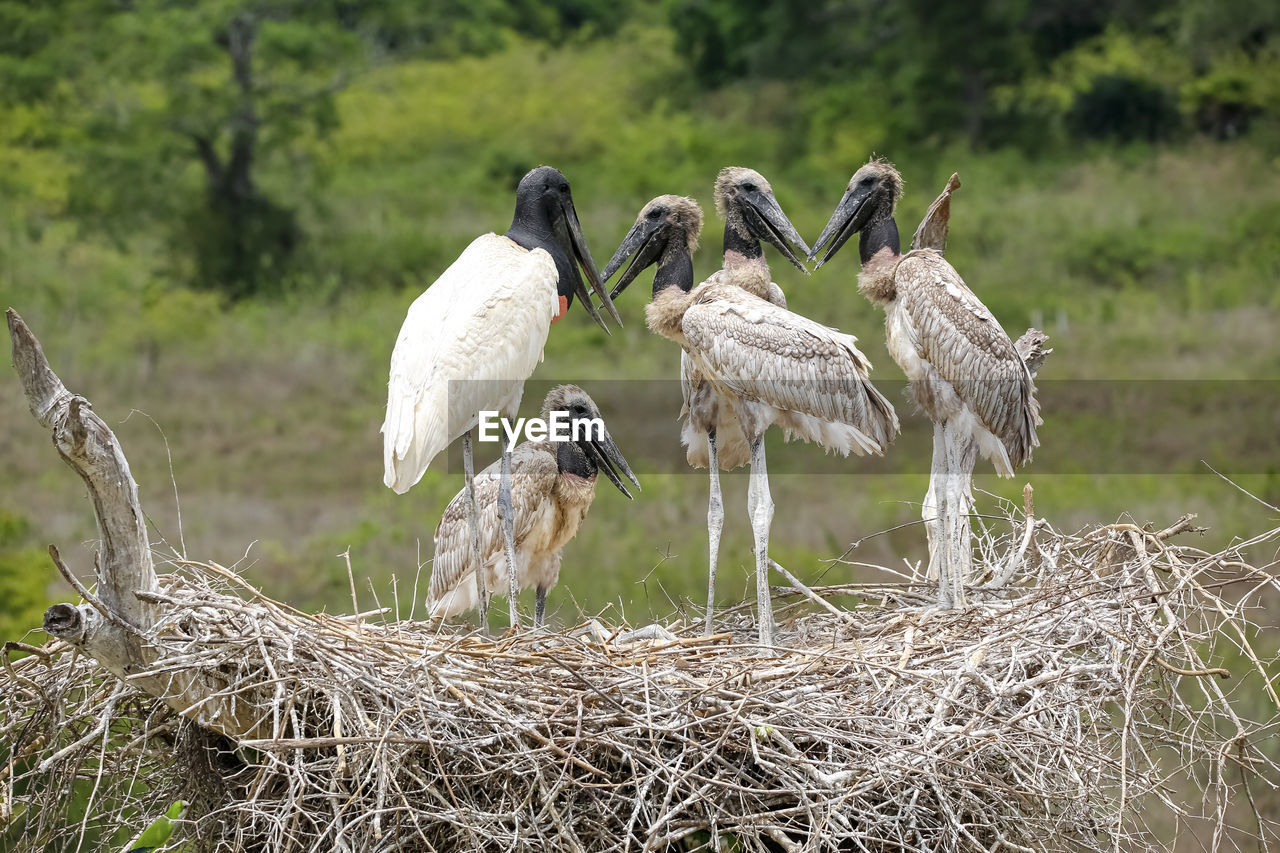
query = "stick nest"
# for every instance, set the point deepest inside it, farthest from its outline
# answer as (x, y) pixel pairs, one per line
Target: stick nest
(1085, 706)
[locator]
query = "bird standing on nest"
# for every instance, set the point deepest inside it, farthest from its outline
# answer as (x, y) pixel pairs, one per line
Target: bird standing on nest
(765, 363)
(553, 483)
(470, 340)
(966, 374)
(711, 430)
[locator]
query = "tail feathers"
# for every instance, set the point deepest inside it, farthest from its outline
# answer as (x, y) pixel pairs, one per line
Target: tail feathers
(461, 598)
(407, 453)
(832, 436)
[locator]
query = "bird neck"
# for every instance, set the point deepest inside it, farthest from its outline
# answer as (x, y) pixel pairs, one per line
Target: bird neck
(745, 263)
(572, 459)
(675, 269)
(740, 243)
(531, 229)
(878, 235)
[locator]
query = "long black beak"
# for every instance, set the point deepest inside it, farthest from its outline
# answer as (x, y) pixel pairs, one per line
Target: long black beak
(578, 246)
(642, 241)
(848, 217)
(609, 459)
(767, 221)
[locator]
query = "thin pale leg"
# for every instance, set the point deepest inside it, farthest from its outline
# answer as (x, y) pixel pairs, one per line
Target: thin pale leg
(715, 523)
(939, 544)
(473, 519)
(961, 454)
(966, 455)
(507, 513)
(540, 610)
(760, 504)
(930, 512)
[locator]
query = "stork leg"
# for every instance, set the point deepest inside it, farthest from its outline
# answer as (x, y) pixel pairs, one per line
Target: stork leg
(760, 505)
(540, 610)
(956, 549)
(931, 511)
(507, 513)
(939, 529)
(473, 520)
(715, 522)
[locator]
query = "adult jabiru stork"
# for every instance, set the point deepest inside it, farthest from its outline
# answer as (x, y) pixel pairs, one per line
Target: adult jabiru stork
(553, 483)
(764, 362)
(965, 373)
(473, 337)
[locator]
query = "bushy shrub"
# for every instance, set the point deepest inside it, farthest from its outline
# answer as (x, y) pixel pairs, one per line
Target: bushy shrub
(1124, 108)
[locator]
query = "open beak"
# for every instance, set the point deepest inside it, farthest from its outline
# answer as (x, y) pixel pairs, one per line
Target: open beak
(609, 459)
(644, 243)
(848, 217)
(767, 221)
(580, 253)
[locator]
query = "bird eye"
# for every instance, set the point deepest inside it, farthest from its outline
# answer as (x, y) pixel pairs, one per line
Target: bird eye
(656, 213)
(564, 188)
(750, 188)
(867, 181)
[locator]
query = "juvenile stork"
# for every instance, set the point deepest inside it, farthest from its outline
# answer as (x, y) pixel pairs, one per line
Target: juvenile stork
(965, 373)
(553, 483)
(764, 363)
(473, 337)
(711, 431)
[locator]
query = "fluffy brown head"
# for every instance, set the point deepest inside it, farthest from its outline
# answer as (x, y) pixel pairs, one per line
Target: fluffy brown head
(732, 180)
(568, 398)
(681, 211)
(881, 172)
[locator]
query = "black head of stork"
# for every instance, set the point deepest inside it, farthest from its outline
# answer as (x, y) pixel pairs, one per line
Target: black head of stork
(589, 446)
(545, 218)
(746, 202)
(666, 233)
(867, 206)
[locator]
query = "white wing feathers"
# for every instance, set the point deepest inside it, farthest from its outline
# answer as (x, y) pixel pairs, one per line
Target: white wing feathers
(468, 343)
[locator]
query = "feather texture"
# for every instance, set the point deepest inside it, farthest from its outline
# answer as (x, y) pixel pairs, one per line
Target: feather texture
(549, 506)
(959, 360)
(468, 343)
(760, 353)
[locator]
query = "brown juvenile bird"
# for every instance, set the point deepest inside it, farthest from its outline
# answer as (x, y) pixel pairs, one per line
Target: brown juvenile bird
(965, 373)
(553, 483)
(764, 363)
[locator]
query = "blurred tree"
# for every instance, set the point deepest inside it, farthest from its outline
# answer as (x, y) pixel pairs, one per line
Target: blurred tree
(150, 94)
(927, 69)
(141, 91)
(1124, 108)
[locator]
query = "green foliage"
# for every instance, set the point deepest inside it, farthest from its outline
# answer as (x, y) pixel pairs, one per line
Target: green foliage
(26, 577)
(1123, 108)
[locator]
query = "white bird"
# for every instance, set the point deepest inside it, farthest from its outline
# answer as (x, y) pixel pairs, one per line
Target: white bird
(765, 363)
(553, 483)
(473, 337)
(965, 373)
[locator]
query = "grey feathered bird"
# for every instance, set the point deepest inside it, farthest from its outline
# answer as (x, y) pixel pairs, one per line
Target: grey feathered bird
(764, 363)
(965, 373)
(553, 484)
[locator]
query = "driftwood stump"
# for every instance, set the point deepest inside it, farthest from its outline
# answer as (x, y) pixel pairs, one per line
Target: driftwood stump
(112, 625)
